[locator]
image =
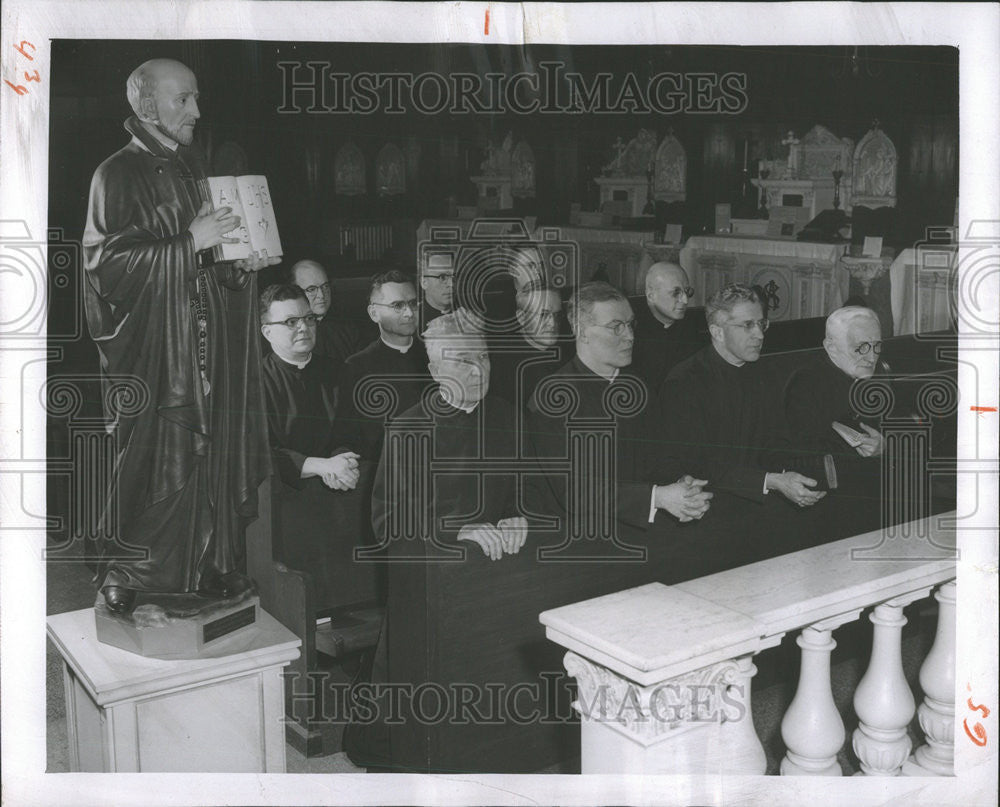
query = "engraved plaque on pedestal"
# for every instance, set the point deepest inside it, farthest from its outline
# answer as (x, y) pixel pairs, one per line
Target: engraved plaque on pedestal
(178, 626)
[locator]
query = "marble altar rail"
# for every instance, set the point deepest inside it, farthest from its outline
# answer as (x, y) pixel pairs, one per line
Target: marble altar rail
(664, 672)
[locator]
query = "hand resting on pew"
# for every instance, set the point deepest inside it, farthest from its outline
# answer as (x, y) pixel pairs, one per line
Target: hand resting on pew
(685, 499)
(508, 536)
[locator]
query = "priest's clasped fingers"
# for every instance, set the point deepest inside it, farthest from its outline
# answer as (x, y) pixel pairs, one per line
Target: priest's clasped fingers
(335, 483)
(341, 471)
(209, 227)
(489, 538)
(871, 445)
(515, 532)
(684, 499)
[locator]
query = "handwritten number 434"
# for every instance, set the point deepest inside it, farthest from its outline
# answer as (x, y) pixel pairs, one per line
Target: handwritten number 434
(20, 89)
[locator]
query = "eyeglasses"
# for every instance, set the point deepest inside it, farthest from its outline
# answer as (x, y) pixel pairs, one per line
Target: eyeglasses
(868, 347)
(292, 323)
(446, 279)
(399, 306)
(617, 327)
(311, 291)
(749, 325)
(687, 292)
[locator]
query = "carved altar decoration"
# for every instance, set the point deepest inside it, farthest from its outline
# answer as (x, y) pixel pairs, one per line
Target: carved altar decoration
(390, 171)
(494, 180)
(805, 177)
(875, 170)
(523, 171)
(670, 173)
(624, 181)
(349, 171)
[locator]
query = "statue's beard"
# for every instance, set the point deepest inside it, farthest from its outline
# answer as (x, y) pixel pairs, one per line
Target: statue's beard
(184, 135)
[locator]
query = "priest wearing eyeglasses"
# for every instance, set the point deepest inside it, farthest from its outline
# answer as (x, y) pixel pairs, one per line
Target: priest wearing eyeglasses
(336, 336)
(389, 375)
(819, 394)
(310, 460)
(720, 417)
(595, 392)
(664, 334)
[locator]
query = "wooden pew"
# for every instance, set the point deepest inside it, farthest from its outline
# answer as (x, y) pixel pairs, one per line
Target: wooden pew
(348, 594)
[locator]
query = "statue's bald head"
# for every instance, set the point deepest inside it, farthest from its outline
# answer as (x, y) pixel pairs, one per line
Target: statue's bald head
(144, 79)
(667, 291)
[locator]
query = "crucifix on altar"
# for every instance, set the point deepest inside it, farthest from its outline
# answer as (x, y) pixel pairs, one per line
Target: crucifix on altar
(791, 142)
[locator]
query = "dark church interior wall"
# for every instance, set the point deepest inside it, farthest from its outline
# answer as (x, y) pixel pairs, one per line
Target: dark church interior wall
(912, 91)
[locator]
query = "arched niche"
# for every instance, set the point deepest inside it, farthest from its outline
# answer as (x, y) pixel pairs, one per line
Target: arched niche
(670, 178)
(390, 171)
(523, 171)
(349, 171)
(875, 164)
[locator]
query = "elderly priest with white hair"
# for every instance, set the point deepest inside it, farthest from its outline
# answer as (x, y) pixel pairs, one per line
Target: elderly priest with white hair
(821, 420)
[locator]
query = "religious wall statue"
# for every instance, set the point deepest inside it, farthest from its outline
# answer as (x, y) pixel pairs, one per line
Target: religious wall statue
(349, 171)
(523, 171)
(390, 171)
(162, 311)
(497, 162)
(875, 170)
(634, 159)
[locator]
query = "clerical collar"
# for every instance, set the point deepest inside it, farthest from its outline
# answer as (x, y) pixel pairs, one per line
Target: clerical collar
(467, 408)
(397, 348)
(666, 325)
(723, 359)
(145, 139)
(300, 364)
(144, 147)
(610, 379)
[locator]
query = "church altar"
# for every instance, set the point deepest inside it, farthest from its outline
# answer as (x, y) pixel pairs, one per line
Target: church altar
(800, 279)
(621, 255)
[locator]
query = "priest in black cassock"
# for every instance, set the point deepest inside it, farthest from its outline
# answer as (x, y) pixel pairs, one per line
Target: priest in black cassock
(388, 376)
(519, 360)
(316, 473)
(337, 336)
(439, 501)
(437, 283)
(721, 419)
(664, 334)
(819, 394)
(594, 393)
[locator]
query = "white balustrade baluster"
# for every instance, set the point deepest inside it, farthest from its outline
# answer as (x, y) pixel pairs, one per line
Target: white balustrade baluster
(812, 728)
(937, 678)
(883, 701)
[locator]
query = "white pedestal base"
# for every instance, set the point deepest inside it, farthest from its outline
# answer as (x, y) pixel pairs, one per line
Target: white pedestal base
(127, 713)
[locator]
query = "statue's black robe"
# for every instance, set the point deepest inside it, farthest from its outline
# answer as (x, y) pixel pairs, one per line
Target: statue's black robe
(189, 463)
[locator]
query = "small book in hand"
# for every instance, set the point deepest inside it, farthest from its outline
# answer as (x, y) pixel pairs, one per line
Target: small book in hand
(250, 199)
(851, 436)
